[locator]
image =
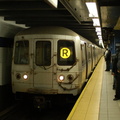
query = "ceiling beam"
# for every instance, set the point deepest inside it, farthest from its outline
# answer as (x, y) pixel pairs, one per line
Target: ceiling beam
(27, 5)
(47, 22)
(109, 3)
(31, 13)
(40, 18)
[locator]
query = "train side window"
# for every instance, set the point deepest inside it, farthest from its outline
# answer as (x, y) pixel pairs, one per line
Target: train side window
(66, 52)
(21, 52)
(43, 53)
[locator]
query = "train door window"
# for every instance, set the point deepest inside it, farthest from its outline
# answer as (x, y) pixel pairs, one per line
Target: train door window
(66, 52)
(89, 53)
(83, 54)
(21, 52)
(43, 53)
(94, 52)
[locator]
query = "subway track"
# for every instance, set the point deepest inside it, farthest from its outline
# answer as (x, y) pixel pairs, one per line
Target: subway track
(26, 111)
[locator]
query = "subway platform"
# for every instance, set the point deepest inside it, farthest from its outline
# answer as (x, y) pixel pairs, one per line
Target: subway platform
(96, 100)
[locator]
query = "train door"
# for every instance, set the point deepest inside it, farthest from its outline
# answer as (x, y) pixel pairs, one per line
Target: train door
(84, 63)
(87, 61)
(92, 58)
(43, 63)
(86, 57)
(93, 52)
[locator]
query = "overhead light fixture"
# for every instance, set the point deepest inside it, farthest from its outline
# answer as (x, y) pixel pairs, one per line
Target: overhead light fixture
(53, 3)
(101, 43)
(96, 22)
(99, 33)
(98, 29)
(93, 13)
(92, 8)
(100, 37)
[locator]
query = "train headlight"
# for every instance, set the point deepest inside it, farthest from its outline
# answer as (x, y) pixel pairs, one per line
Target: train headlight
(18, 76)
(25, 76)
(61, 78)
(70, 77)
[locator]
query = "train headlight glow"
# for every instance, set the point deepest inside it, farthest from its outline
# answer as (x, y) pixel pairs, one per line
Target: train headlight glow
(25, 76)
(61, 78)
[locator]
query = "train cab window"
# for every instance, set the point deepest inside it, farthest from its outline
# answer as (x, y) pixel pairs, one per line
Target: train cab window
(21, 52)
(43, 53)
(66, 52)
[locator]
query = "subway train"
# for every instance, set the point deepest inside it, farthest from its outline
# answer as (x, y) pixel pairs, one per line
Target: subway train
(52, 61)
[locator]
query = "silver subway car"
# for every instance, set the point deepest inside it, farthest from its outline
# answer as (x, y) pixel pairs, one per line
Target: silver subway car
(52, 60)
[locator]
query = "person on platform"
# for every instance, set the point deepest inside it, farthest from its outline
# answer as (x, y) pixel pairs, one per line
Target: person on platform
(117, 68)
(114, 68)
(108, 59)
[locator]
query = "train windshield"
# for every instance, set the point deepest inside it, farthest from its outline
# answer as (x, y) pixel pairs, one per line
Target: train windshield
(21, 52)
(43, 53)
(66, 52)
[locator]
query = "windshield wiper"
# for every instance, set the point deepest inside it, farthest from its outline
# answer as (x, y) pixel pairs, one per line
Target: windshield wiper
(46, 68)
(67, 69)
(50, 66)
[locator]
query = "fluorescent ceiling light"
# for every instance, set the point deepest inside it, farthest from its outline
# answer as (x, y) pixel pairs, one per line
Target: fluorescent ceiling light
(98, 29)
(96, 22)
(92, 9)
(99, 33)
(100, 41)
(54, 3)
(100, 37)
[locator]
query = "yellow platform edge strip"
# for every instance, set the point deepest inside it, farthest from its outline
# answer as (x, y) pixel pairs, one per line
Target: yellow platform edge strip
(98, 70)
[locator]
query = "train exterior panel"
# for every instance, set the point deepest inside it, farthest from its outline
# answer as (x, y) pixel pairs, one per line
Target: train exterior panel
(51, 60)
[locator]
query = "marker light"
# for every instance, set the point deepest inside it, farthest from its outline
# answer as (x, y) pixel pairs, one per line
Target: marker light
(18, 76)
(25, 77)
(70, 77)
(61, 78)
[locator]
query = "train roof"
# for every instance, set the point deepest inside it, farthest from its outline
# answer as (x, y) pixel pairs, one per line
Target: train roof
(48, 30)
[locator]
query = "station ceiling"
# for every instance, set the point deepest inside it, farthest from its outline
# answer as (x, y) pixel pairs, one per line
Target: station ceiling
(72, 14)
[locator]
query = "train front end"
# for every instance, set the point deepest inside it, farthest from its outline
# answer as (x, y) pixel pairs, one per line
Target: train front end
(46, 64)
